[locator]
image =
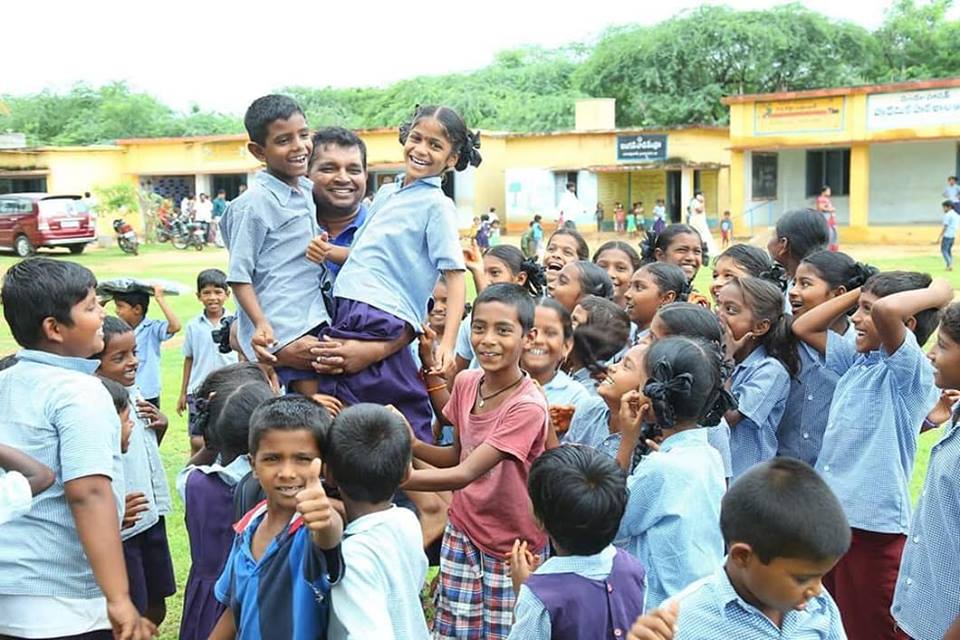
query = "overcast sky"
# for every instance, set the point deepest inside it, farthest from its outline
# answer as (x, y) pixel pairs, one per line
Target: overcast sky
(223, 53)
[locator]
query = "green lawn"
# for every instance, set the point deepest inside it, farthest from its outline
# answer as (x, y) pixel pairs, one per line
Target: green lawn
(182, 266)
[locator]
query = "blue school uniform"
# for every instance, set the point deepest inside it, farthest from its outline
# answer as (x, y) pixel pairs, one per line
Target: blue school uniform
(760, 384)
(149, 335)
(871, 438)
(800, 433)
(55, 411)
(284, 594)
(345, 238)
(267, 230)
(564, 390)
(672, 520)
(464, 347)
(591, 428)
(927, 598)
(409, 237)
(711, 609)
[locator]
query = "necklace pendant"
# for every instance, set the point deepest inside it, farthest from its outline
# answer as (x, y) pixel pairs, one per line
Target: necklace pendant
(480, 404)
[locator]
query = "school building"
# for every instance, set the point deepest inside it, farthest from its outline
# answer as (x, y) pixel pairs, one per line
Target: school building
(521, 175)
(884, 150)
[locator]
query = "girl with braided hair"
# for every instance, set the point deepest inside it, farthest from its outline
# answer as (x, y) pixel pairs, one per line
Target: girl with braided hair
(673, 507)
(409, 239)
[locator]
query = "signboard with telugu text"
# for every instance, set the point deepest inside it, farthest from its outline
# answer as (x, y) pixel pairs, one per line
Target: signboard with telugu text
(805, 115)
(642, 148)
(910, 109)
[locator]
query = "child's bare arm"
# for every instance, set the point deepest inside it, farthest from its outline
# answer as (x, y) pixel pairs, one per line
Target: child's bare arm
(182, 401)
(226, 628)
(480, 460)
(263, 337)
(456, 299)
(37, 474)
(173, 322)
(891, 313)
(812, 326)
(95, 514)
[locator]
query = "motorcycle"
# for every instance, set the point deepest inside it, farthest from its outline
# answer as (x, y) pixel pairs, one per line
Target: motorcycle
(126, 237)
(190, 234)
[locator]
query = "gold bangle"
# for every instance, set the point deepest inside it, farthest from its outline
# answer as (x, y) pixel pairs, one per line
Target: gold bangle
(436, 387)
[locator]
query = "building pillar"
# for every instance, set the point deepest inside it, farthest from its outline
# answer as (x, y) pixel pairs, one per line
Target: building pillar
(860, 187)
(737, 182)
(686, 192)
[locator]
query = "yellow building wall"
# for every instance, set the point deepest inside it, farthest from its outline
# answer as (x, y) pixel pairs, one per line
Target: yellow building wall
(854, 134)
(189, 157)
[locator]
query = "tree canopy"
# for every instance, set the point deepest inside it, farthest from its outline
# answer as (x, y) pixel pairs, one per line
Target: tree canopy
(674, 72)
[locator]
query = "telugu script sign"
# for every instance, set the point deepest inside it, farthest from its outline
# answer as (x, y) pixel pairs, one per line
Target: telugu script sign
(642, 148)
(798, 116)
(913, 109)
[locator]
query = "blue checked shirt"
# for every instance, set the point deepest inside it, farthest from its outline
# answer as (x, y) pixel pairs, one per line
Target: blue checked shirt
(409, 238)
(198, 344)
(871, 438)
(564, 390)
(927, 599)
(760, 385)
(531, 618)
(800, 433)
(54, 410)
(149, 335)
(710, 609)
(267, 231)
(589, 428)
(672, 521)
(143, 471)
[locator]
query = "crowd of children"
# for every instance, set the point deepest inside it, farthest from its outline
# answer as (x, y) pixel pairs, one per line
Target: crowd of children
(593, 449)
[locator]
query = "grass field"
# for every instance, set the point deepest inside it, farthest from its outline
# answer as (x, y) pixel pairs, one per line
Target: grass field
(182, 266)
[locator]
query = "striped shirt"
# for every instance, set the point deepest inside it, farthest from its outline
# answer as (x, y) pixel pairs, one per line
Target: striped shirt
(760, 384)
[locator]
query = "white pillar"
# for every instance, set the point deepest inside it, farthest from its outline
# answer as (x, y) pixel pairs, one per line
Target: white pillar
(686, 191)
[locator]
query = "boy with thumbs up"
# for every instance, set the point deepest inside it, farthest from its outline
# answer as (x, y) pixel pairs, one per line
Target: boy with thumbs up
(286, 555)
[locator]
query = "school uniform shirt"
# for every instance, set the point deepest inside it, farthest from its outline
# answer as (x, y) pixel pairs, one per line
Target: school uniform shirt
(564, 390)
(616, 589)
(15, 495)
(927, 597)
(150, 334)
(143, 471)
(464, 348)
(409, 238)
(871, 438)
(198, 344)
(585, 378)
(267, 230)
(56, 412)
(760, 384)
(379, 595)
(346, 237)
(800, 433)
(951, 220)
(711, 609)
(285, 594)
(672, 520)
(589, 428)
(493, 510)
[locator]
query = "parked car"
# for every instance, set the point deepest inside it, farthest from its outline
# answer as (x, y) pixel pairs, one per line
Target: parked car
(29, 221)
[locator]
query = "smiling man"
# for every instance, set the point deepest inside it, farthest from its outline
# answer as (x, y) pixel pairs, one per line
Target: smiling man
(338, 170)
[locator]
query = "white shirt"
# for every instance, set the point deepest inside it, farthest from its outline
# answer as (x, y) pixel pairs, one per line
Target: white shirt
(204, 211)
(379, 596)
(15, 496)
(50, 616)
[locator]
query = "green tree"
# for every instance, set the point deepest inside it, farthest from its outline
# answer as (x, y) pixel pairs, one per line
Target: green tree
(917, 42)
(675, 72)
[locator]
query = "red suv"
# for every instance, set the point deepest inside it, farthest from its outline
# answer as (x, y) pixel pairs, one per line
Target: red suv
(29, 221)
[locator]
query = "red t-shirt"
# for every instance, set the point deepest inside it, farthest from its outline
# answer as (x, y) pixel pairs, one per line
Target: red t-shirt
(494, 509)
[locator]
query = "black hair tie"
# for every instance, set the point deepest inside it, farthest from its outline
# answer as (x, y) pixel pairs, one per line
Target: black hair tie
(777, 275)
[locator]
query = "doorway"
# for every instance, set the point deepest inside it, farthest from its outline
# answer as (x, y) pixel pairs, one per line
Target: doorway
(673, 196)
(229, 182)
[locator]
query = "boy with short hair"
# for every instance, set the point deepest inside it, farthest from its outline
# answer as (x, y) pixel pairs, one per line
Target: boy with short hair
(201, 354)
(144, 534)
(885, 391)
(500, 427)
(368, 456)
(267, 230)
(132, 308)
(65, 576)
(948, 232)
(785, 530)
(286, 555)
(589, 588)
